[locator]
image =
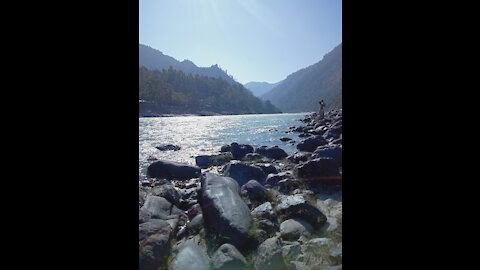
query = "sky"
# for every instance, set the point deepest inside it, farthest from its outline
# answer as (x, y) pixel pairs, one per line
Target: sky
(253, 40)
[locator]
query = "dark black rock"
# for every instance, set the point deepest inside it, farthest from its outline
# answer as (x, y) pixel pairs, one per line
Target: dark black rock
(224, 212)
(274, 152)
(252, 157)
(285, 139)
(190, 256)
(332, 151)
(295, 206)
(243, 172)
(323, 169)
(310, 144)
(205, 161)
(227, 257)
(240, 150)
(167, 147)
(268, 168)
(173, 170)
(225, 148)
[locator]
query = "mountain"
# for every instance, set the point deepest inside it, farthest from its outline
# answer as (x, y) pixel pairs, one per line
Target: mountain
(302, 90)
(172, 91)
(155, 59)
(260, 88)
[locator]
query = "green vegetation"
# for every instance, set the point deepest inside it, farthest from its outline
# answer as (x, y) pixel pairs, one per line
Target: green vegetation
(173, 91)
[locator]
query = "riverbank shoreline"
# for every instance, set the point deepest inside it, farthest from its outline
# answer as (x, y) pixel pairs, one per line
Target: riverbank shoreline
(252, 207)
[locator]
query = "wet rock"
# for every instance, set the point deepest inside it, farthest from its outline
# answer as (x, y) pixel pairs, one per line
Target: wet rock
(274, 152)
(167, 147)
(285, 139)
(172, 170)
(242, 172)
(292, 229)
(227, 257)
(322, 169)
(205, 161)
(224, 212)
(190, 256)
(154, 238)
(255, 191)
(269, 255)
(310, 144)
(295, 206)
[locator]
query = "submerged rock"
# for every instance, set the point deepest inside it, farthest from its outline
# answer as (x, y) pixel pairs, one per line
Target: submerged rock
(167, 147)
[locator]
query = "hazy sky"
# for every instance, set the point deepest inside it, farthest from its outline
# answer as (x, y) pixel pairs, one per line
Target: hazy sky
(254, 40)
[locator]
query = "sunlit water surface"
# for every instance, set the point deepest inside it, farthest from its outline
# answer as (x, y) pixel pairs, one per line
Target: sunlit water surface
(204, 135)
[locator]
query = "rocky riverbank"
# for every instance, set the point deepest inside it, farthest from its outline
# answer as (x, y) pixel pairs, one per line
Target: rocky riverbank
(247, 207)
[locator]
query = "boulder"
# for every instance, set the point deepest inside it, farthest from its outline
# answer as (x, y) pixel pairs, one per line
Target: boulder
(300, 157)
(242, 172)
(224, 212)
(295, 206)
(322, 169)
(255, 191)
(274, 152)
(168, 192)
(331, 151)
(240, 150)
(160, 208)
(268, 168)
(227, 257)
(264, 210)
(292, 229)
(172, 170)
(268, 255)
(190, 256)
(310, 144)
(167, 147)
(253, 157)
(205, 161)
(154, 238)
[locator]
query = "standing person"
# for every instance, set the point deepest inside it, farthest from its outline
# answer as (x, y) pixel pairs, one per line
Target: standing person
(322, 107)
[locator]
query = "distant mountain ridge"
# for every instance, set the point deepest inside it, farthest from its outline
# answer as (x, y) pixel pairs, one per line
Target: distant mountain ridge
(302, 90)
(260, 88)
(155, 59)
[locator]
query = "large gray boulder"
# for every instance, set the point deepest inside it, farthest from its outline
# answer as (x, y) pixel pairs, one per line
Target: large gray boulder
(268, 255)
(154, 238)
(172, 170)
(190, 256)
(227, 257)
(224, 212)
(242, 173)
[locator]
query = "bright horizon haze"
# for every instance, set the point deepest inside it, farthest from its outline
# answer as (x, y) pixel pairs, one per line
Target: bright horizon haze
(262, 40)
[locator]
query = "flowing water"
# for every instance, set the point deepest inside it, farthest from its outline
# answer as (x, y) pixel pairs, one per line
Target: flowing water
(204, 135)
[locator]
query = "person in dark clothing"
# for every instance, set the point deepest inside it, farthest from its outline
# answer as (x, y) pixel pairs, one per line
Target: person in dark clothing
(322, 107)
